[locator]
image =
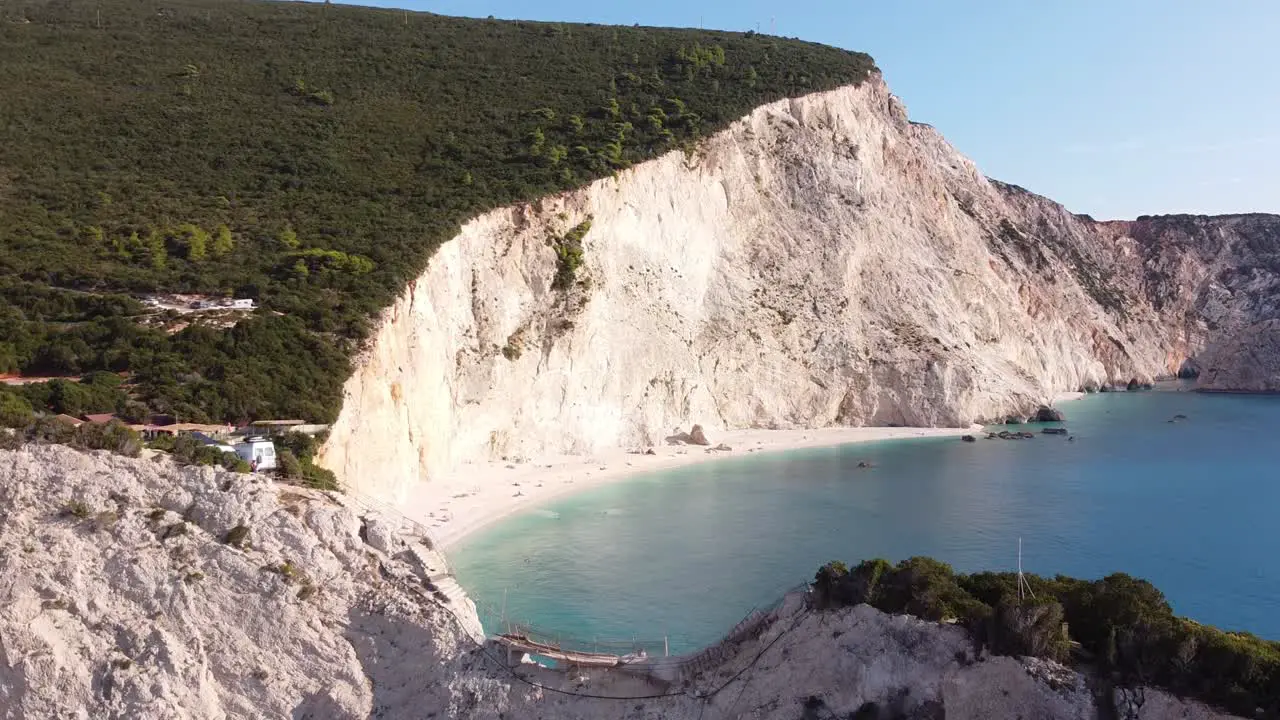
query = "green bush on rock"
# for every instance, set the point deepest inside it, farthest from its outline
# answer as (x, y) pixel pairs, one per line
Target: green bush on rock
(297, 461)
(15, 411)
(1122, 624)
(114, 436)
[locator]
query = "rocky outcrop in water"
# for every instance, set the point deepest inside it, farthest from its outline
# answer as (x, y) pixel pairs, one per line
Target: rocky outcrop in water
(698, 436)
(1047, 414)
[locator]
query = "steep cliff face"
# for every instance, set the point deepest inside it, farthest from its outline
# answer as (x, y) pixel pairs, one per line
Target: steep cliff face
(823, 261)
(1218, 279)
(1248, 361)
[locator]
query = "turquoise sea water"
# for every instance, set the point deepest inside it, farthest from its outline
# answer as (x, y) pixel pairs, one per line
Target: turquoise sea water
(1191, 506)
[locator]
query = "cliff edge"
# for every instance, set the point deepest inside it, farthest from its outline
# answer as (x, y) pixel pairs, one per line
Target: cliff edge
(823, 261)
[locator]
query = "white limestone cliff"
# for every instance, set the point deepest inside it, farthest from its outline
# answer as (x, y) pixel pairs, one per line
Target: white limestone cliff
(121, 596)
(822, 261)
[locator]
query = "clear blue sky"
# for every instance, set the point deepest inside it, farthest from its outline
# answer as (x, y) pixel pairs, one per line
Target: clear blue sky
(1115, 108)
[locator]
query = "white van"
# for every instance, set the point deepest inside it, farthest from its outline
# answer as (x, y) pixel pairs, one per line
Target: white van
(259, 452)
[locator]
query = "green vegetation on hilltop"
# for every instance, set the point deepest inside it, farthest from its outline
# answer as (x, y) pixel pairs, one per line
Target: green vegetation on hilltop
(309, 156)
(1124, 626)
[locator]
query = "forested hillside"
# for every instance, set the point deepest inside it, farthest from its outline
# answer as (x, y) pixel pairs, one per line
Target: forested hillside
(311, 157)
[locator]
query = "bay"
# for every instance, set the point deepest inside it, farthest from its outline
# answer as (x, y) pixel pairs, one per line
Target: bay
(684, 554)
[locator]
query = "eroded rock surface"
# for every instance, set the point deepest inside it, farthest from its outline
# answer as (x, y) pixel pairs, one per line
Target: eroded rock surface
(120, 597)
(1248, 361)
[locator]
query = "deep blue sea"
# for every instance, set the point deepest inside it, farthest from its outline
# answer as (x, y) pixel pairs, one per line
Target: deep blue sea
(1191, 506)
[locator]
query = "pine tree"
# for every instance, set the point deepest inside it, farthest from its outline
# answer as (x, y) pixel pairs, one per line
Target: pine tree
(155, 247)
(197, 246)
(223, 244)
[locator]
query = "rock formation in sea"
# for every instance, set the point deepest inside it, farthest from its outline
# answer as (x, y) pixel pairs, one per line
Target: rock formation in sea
(823, 261)
(138, 589)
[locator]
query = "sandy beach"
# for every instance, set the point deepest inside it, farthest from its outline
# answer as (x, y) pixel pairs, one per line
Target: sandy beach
(479, 494)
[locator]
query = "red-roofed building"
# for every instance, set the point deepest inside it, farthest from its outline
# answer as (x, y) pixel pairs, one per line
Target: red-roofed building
(100, 418)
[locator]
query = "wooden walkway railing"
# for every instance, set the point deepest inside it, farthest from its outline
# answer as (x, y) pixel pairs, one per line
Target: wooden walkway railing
(525, 640)
(520, 643)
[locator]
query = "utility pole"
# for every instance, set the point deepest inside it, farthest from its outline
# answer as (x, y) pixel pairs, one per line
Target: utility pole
(1023, 585)
(1020, 579)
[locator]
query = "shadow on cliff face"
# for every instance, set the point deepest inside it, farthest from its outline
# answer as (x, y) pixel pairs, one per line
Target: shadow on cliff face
(319, 706)
(400, 659)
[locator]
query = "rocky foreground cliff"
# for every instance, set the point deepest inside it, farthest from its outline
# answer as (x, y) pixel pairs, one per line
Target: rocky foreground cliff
(823, 261)
(138, 589)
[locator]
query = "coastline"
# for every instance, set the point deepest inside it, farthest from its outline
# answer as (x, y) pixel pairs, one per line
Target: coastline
(477, 495)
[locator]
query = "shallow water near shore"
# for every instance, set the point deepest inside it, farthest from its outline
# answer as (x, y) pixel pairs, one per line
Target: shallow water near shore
(685, 553)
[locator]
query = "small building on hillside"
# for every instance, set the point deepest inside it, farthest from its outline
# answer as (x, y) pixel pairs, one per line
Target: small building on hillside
(99, 418)
(273, 427)
(311, 429)
(204, 439)
(74, 422)
(150, 431)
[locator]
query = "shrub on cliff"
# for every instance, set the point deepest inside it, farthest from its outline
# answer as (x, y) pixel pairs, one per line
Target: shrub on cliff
(926, 588)
(1124, 624)
(569, 255)
(1115, 617)
(290, 465)
(1235, 670)
(114, 436)
(15, 411)
(302, 446)
(297, 463)
(1031, 626)
(49, 429)
(319, 478)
